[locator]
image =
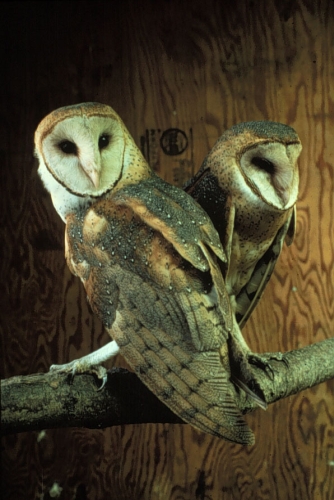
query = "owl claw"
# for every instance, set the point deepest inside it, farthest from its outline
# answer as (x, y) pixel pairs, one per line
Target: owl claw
(260, 362)
(79, 366)
(263, 361)
(104, 381)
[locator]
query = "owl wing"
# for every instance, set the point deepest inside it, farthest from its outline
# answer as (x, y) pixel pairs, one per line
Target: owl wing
(164, 312)
(204, 188)
(251, 293)
(184, 223)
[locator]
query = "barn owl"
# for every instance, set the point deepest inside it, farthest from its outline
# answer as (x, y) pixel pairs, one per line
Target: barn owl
(148, 257)
(248, 185)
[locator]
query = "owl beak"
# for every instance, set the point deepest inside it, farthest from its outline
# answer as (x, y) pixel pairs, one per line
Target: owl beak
(93, 173)
(94, 176)
(283, 182)
(285, 197)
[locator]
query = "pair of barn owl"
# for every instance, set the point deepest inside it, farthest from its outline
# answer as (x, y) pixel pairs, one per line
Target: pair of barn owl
(150, 258)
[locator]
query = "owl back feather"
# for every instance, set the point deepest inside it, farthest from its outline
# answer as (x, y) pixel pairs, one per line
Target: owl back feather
(165, 314)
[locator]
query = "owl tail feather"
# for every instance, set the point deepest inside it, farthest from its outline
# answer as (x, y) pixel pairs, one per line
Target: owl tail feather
(192, 384)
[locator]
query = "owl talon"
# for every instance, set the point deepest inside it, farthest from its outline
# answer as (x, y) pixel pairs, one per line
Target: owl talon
(104, 381)
(263, 361)
(285, 361)
(256, 360)
(79, 366)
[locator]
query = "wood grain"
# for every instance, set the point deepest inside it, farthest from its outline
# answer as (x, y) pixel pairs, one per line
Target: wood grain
(167, 65)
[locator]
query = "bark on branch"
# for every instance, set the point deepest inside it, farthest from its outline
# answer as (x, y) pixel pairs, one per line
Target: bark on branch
(48, 400)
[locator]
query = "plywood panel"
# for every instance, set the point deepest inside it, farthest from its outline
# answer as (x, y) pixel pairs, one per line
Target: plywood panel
(197, 68)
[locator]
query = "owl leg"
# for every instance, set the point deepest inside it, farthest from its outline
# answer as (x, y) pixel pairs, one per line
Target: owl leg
(241, 373)
(91, 363)
(241, 359)
(260, 360)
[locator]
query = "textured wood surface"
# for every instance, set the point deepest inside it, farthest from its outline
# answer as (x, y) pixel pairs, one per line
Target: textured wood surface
(199, 68)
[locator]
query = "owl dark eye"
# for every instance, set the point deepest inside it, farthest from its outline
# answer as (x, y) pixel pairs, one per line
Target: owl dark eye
(104, 141)
(68, 147)
(264, 164)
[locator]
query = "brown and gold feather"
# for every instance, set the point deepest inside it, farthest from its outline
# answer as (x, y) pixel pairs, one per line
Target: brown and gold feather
(248, 185)
(149, 258)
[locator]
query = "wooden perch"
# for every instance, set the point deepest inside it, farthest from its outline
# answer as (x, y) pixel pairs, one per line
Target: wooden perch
(49, 400)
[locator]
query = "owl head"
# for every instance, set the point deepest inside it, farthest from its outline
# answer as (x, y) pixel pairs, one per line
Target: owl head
(83, 152)
(258, 161)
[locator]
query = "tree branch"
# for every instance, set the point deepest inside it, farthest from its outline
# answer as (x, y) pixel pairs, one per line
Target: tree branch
(48, 400)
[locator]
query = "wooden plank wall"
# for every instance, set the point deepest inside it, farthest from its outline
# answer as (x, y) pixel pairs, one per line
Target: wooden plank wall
(199, 67)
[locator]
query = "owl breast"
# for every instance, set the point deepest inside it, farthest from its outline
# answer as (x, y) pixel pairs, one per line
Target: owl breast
(254, 232)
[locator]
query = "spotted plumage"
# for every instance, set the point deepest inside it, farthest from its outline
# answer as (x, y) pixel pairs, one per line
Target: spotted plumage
(149, 258)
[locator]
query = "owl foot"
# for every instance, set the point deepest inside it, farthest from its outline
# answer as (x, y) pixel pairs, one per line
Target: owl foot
(241, 361)
(241, 372)
(90, 363)
(81, 366)
(263, 361)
